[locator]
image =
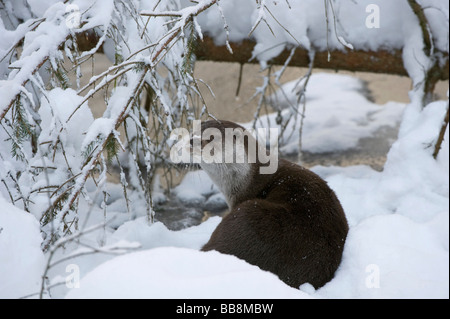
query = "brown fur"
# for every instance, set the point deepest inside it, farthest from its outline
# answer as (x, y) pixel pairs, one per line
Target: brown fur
(289, 223)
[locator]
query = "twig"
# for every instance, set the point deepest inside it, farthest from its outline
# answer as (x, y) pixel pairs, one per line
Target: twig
(225, 26)
(433, 71)
(302, 94)
(424, 26)
(241, 68)
(440, 139)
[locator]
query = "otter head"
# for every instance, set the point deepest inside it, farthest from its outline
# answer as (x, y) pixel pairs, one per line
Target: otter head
(228, 154)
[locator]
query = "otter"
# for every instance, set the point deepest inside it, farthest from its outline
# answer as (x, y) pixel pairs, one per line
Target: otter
(289, 222)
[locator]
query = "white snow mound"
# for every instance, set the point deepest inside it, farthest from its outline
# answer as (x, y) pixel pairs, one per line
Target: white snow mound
(170, 272)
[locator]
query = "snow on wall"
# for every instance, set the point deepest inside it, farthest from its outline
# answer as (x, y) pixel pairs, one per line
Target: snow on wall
(359, 25)
(306, 22)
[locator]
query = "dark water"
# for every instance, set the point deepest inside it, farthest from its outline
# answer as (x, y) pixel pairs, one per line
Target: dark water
(176, 214)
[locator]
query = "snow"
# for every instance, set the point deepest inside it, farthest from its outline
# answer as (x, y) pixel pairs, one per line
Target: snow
(397, 23)
(39, 45)
(21, 258)
(398, 218)
(397, 246)
(55, 112)
(158, 235)
(391, 256)
(196, 186)
(398, 243)
(178, 272)
(283, 25)
(334, 121)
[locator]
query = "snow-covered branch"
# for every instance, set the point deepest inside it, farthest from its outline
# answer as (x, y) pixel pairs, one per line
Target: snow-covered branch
(49, 124)
(59, 148)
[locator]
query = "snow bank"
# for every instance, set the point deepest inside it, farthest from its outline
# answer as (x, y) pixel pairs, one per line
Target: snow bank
(334, 121)
(137, 231)
(391, 256)
(195, 187)
(157, 235)
(181, 273)
(398, 241)
(414, 183)
(21, 259)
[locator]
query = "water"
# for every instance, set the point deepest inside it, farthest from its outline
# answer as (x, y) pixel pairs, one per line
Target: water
(176, 214)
